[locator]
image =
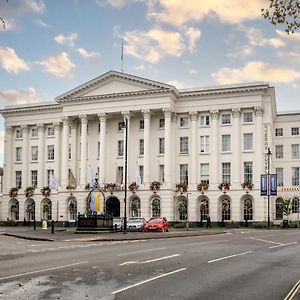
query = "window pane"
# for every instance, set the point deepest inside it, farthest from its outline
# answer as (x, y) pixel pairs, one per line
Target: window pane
(184, 145)
(184, 174)
(248, 117)
(248, 141)
(226, 142)
(279, 172)
(226, 172)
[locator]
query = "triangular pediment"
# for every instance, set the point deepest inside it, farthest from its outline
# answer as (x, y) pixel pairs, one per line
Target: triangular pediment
(114, 83)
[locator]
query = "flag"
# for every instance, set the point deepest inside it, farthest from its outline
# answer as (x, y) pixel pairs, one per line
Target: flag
(97, 202)
(72, 180)
(52, 181)
(92, 202)
(138, 176)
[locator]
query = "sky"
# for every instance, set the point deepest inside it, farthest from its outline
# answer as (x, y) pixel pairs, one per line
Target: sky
(51, 46)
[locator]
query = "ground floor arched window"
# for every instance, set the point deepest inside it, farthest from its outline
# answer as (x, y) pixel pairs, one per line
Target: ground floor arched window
(182, 208)
(155, 207)
(248, 209)
(225, 209)
(279, 213)
(203, 209)
(14, 209)
(295, 205)
(72, 208)
(135, 207)
(30, 209)
(46, 209)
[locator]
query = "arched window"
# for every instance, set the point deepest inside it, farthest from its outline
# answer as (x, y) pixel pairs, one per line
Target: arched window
(47, 209)
(279, 213)
(72, 209)
(30, 209)
(135, 207)
(248, 209)
(14, 209)
(204, 209)
(182, 208)
(155, 207)
(225, 209)
(295, 205)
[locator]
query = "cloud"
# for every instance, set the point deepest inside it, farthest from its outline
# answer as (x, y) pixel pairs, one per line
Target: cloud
(23, 96)
(241, 52)
(292, 56)
(193, 35)
(66, 40)
(290, 37)
(59, 65)
(89, 55)
(41, 23)
(192, 71)
(178, 12)
(116, 3)
(256, 71)
(11, 62)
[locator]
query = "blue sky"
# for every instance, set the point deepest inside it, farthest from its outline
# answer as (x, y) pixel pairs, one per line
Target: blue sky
(51, 46)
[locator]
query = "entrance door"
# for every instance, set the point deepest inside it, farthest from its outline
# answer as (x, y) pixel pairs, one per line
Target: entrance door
(113, 206)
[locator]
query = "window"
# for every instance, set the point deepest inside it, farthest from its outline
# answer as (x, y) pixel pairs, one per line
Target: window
(120, 125)
(226, 208)
(278, 131)
(34, 132)
(295, 130)
(184, 177)
(295, 205)
(34, 178)
(295, 176)
(141, 173)
(141, 147)
(279, 172)
(161, 174)
(120, 148)
(161, 146)
(50, 152)
(50, 131)
(135, 207)
(225, 118)
(248, 209)
(155, 207)
(204, 120)
(248, 141)
(119, 175)
(204, 209)
(279, 151)
(142, 124)
(70, 151)
(18, 153)
(72, 208)
(295, 151)
(18, 179)
(98, 149)
(204, 173)
(19, 133)
(184, 145)
(226, 139)
(248, 171)
(204, 144)
(226, 172)
(49, 171)
(34, 153)
(161, 123)
(248, 117)
(184, 122)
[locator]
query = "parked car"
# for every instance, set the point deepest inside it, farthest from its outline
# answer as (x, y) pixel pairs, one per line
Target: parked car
(118, 223)
(157, 224)
(136, 224)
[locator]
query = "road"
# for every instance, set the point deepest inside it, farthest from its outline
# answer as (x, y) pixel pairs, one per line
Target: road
(249, 264)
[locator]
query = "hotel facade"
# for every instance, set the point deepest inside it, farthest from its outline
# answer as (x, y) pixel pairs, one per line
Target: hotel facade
(190, 152)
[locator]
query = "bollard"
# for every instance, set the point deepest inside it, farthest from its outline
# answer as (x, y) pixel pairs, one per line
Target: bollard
(44, 225)
(34, 224)
(52, 226)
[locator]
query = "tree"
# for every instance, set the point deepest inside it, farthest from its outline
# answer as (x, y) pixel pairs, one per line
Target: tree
(2, 21)
(283, 12)
(286, 208)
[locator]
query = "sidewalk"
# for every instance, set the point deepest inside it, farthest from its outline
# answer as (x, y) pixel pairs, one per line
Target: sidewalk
(68, 234)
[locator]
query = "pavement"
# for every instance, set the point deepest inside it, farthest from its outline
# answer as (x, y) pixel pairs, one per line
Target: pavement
(70, 234)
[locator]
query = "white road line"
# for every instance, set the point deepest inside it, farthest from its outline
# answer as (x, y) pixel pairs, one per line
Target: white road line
(148, 261)
(230, 256)
(293, 291)
(141, 251)
(148, 280)
(263, 236)
(207, 243)
(266, 241)
(43, 270)
(281, 245)
(298, 232)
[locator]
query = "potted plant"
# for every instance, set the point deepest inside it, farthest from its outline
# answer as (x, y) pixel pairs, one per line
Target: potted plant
(248, 185)
(46, 191)
(133, 186)
(202, 186)
(13, 193)
(29, 191)
(181, 187)
(224, 186)
(155, 185)
(110, 187)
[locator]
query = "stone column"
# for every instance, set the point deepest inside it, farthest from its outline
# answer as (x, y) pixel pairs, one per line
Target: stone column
(9, 150)
(236, 149)
(146, 162)
(83, 154)
(65, 153)
(102, 159)
(127, 116)
(41, 155)
(74, 150)
(194, 153)
(168, 148)
(25, 150)
(57, 154)
(214, 149)
(258, 146)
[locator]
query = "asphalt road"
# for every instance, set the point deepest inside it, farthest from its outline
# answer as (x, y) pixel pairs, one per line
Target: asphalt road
(246, 264)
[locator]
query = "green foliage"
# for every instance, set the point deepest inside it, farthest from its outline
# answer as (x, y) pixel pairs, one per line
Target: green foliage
(179, 225)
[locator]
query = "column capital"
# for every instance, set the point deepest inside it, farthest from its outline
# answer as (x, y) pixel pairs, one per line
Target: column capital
(193, 115)
(83, 118)
(56, 126)
(65, 121)
(167, 112)
(73, 124)
(214, 114)
(236, 112)
(146, 113)
(126, 114)
(40, 126)
(9, 129)
(102, 117)
(258, 110)
(25, 128)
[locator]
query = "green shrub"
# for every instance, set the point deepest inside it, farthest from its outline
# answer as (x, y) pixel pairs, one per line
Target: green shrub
(260, 225)
(179, 225)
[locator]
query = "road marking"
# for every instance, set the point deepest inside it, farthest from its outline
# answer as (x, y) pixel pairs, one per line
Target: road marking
(293, 291)
(43, 270)
(281, 245)
(230, 256)
(149, 261)
(148, 280)
(141, 251)
(206, 243)
(266, 241)
(292, 233)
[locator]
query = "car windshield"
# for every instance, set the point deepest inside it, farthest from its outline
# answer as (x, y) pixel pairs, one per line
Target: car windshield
(135, 221)
(156, 220)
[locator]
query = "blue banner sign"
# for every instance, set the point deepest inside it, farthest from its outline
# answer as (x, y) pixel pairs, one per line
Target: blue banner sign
(273, 184)
(263, 185)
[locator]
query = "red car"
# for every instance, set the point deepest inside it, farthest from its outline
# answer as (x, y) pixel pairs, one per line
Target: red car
(157, 224)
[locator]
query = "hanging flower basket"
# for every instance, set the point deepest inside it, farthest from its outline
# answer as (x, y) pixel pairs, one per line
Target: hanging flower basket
(202, 186)
(13, 193)
(87, 186)
(247, 185)
(155, 185)
(110, 187)
(133, 186)
(70, 188)
(181, 187)
(46, 191)
(29, 191)
(224, 186)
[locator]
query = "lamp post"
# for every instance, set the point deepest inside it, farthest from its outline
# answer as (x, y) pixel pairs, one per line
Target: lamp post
(125, 125)
(268, 184)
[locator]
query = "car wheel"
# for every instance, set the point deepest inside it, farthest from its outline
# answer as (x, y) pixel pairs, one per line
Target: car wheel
(167, 230)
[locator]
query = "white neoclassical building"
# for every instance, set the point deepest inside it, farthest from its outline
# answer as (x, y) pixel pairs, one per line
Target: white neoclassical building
(190, 141)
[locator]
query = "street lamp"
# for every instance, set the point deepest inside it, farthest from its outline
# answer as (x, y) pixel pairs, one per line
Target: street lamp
(125, 125)
(268, 184)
